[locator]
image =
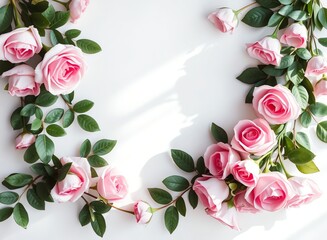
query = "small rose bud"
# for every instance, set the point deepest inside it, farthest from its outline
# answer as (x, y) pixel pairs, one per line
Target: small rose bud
(24, 140)
(224, 19)
(143, 212)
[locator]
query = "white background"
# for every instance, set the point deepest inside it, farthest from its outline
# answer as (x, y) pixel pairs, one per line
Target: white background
(165, 73)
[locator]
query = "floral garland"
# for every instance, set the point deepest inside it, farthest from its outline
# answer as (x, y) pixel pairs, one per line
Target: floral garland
(247, 174)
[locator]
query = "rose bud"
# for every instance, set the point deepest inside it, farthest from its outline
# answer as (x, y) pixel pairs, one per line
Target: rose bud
(316, 68)
(224, 19)
(295, 35)
(143, 212)
(320, 89)
(77, 8)
(24, 140)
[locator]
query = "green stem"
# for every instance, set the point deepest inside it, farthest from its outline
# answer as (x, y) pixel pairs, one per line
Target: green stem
(274, 35)
(28, 186)
(172, 202)
(18, 22)
(68, 105)
(245, 7)
(281, 159)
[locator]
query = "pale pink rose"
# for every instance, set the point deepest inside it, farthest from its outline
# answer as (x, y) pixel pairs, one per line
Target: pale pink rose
(275, 104)
(316, 68)
(111, 185)
(211, 192)
(24, 140)
(224, 19)
(253, 137)
(271, 193)
(20, 44)
(77, 8)
(246, 172)
(267, 51)
(225, 215)
(21, 81)
(218, 158)
(306, 190)
(320, 89)
(76, 182)
(242, 205)
(61, 69)
(295, 35)
(143, 212)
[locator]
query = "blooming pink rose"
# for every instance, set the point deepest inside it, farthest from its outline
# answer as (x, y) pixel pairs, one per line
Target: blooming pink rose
(320, 88)
(306, 190)
(76, 8)
(111, 185)
(24, 140)
(295, 35)
(211, 192)
(275, 104)
(61, 69)
(271, 193)
(76, 182)
(218, 158)
(224, 19)
(316, 68)
(253, 137)
(246, 172)
(267, 51)
(225, 215)
(143, 212)
(21, 81)
(242, 205)
(20, 44)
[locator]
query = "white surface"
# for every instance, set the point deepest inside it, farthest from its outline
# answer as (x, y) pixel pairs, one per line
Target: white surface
(165, 73)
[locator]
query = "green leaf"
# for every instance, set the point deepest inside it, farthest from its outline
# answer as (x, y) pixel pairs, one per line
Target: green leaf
(193, 198)
(28, 110)
(303, 53)
(269, 3)
(60, 19)
(100, 207)
(18, 180)
(39, 169)
(171, 219)
(300, 156)
(286, 2)
(99, 224)
(176, 183)
(49, 13)
(252, 75)
(30, 155)
(87, 123)
(321, 131)
(286, 62)
(298, 15)
(318, 109)
(43, 191)
(84, 216)
(200, 166)
(83, 106)
(39, 20)
(72, 33)
(275, 19)
(62, 172)
(303, 139)
(34, 200)
(284, 11)
(16, 120)
(44, 148)
(301, 95)
(54, 115)
(323, 41)
(322, 17)
(85, 148)
(180, 205)
(36, 124)
(257, 17)
(88, 46)
(272, 71)
(5, 66)
(160, 196)
(305, 119)
(6, 17)
(103, 146)
(97, 161)
(5, 213)
(55, 130)
(8, 197)
(183, 160)
(46, 99)
(68, 118)
(218, 133)
(68, 98)
(295, 73)
(20, 215)
(308, 168)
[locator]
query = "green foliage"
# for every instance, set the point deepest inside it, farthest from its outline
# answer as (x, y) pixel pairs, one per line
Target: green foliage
(160, 196)
(176, 183)
(321, 131)
(20, 215)
(171, 219)
(6, 17)
(183, 160)
(83, 106)
(88, 46)
(218, 133)
(98, 224)
(88, 123)
(44, 148)
(252, 75)
(17, 180)
(193, 198)
(5, 213)
(8, 197)
(181, 207)
(97, 161)
(85, 148)
(103, 146)
(257, 17)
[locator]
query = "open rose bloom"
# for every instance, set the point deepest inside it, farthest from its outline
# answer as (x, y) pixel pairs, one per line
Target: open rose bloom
(224, 19)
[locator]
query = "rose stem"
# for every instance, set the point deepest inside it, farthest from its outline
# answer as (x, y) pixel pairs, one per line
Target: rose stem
(186, 190)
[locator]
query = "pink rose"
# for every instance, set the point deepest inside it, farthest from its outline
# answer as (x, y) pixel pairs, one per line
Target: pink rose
(218, 158)
(271, 193)
(306, 190)
(20, 44)
(211, 192)
(316, 68)
(242, 205)
(225, 215)
(254, 137)
(111, 185)
(275, 104)
(21, 81)
(320, 89)
(76, 182)
(76, 8)
(224, 19)
(267, 51)
(61, 69)
(143, 212)
(246, 172)
(24, 140)
(295, 35)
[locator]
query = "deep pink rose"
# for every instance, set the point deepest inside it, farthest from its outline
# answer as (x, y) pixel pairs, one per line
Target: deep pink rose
(225, 215)
(111, 185)
(24, 140)
(21, 81)
(77, 8)
(246, 172)
(61, 69)
(76, 182)
(295, 35)
(218, 158)
(306, 190)
(253, 137)
(320, 89)
(316, 68)
(20, 44)
(143, 212)
(275, 104)
(242, 205)
(267, 51)
(211, 192)
(224, 19)
(271, 193)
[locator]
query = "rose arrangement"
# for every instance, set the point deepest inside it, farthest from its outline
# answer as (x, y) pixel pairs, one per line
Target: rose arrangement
(43, 65)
